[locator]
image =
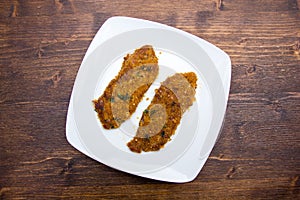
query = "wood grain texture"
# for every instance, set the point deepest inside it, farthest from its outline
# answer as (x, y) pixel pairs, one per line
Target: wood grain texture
(42, 44)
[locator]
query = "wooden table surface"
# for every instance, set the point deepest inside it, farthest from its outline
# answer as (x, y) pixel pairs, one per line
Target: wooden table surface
(42, 44)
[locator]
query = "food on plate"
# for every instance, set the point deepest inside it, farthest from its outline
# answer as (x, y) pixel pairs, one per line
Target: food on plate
(160, 120)
(123, 94)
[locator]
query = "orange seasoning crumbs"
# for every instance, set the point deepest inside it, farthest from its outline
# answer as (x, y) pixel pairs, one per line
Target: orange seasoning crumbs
(123, 94)
(160, 120)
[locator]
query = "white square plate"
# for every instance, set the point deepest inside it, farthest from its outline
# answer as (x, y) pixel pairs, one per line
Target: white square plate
(184, 156)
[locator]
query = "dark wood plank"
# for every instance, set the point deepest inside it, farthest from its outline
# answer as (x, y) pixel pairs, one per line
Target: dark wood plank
(42, 44)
